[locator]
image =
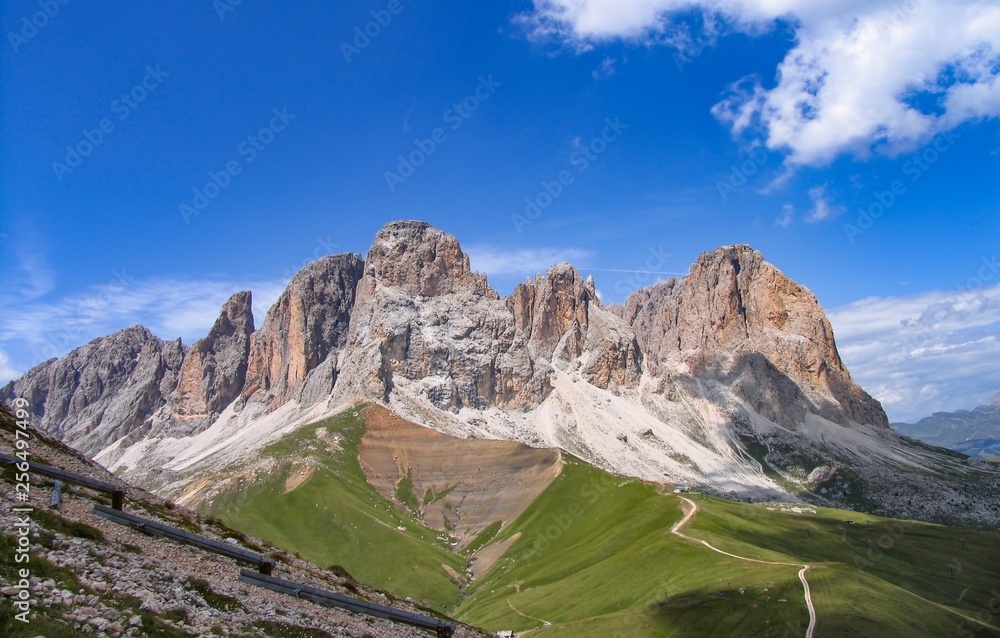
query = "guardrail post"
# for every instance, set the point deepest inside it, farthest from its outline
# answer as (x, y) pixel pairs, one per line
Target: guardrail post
(118, 500)
(56, 499)
(265, 567)
(444, 631)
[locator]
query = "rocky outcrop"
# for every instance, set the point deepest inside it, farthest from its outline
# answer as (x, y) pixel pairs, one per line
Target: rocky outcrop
(424, 318)
(215, 368)
(419, 260)
(553, 307)
(304, 330)
(102, 391)
(738, 318)
(561, 316)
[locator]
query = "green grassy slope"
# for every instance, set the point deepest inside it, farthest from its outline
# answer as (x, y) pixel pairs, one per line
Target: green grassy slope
(908, 556)
(594, 556)
(337, 518)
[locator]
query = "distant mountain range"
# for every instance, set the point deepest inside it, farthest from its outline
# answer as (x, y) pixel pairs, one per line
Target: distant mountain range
(726, 379)
(973, 432)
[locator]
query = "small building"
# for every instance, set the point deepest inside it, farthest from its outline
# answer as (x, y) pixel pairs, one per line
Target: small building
(682, 489)
(506, 634)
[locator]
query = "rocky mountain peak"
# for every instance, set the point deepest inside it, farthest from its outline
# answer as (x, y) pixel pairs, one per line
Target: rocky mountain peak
(236, 316)
(738, 317)
(214, 368)
(301, 331)
(420, 260)
(553, 305)
(103, 390)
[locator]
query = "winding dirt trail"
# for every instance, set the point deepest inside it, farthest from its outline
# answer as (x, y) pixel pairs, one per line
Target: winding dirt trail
(545, 623)
(692, 509)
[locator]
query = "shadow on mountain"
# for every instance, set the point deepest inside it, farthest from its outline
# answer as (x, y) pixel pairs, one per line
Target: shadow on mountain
(737, 609)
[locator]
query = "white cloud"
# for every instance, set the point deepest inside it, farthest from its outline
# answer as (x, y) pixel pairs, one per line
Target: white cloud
(524, 262)
(33, 331)
(27, 274)
(850, 83)
(786, 217)
(926, 352)
(823, 206)
(605, 70)
(7, 369)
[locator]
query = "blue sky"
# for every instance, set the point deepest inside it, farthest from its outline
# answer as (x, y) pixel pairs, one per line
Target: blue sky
(156, 159)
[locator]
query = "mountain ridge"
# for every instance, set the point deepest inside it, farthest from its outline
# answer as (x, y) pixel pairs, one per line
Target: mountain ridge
(728, 378)
(974, 432)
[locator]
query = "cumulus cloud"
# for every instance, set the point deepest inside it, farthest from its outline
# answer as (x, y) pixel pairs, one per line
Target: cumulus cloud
(863, 75)
(926, 352)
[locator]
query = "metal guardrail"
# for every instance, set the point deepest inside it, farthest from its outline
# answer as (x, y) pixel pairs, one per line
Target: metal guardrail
(264, 564)
(443, 628)
(117, 492)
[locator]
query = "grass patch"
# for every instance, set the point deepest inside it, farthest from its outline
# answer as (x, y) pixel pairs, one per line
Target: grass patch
(43, 622)
(214, 599)
(445, 492)
(595, 558)
(55, 523)
(40, 566)
(905, 555)
(404, 492)
(168, 513)
(175, 614)
(153, 625)
(484, 537)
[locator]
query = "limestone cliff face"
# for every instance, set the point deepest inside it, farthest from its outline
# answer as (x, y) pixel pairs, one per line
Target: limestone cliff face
(554, 306)
(739, 318)
(103, 390)
(418, 260)
(307, 325)
(561, 316)
(215, 368)
(422, 316)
